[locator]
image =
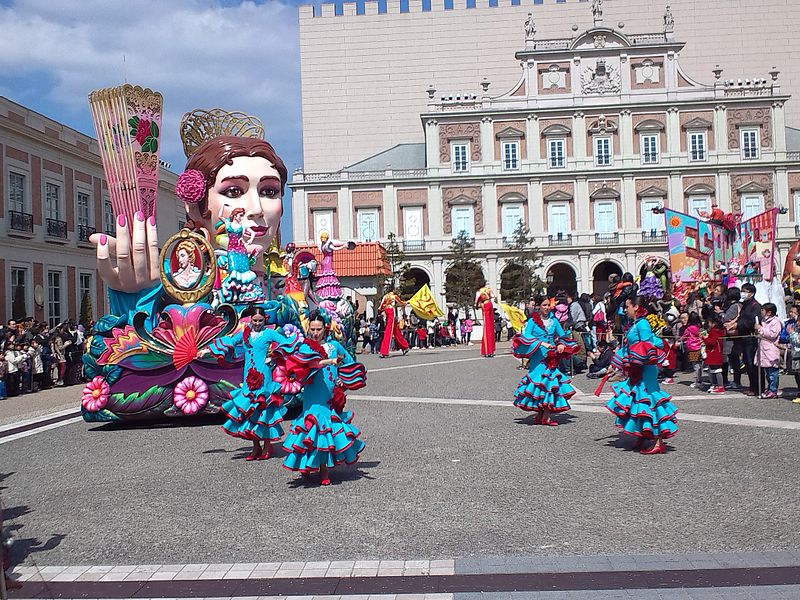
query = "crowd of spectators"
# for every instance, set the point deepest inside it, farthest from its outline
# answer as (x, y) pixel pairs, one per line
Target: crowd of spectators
(35, 357)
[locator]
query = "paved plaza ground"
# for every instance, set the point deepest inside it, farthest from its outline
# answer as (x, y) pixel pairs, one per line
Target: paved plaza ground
(456, 493)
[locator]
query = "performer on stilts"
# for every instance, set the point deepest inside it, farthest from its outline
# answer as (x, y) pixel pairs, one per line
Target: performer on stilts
(544, 389)
(323, 435)
(484, 301)
(255, 410)
(390, 302)
(642, 410)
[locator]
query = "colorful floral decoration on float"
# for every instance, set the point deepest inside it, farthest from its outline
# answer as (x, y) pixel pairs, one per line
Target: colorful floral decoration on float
(149, 358)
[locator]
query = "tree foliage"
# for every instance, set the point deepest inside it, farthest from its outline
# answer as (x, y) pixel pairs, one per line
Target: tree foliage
(87, 311)
(398, 269)
(464, 273)
(520, 279)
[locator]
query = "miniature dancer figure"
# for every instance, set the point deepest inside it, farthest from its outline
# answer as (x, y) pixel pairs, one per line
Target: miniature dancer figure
(256, 409)
(641, 408)
(484, 300)
(240, 284)
(544, 389)
(327, 284)
(322, 436)
(389, 302)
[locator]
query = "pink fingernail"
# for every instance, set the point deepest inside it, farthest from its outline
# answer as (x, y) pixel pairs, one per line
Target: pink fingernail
(103, 239)
(140, 216)
(152, 220)
(122, 221)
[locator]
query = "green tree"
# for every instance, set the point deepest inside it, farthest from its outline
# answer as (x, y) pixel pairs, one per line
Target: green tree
(397, 267)
(18, 303)
(520, 279)
(464, 273)
(87, 311)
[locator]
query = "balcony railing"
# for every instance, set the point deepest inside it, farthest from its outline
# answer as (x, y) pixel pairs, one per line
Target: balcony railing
(57, 229)
(606, 238)
(21, 221)
(413, 245)
(560, 239)
(654, 235)
(84, 231)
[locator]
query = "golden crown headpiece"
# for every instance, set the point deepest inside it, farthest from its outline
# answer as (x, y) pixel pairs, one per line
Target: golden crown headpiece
(202, 125)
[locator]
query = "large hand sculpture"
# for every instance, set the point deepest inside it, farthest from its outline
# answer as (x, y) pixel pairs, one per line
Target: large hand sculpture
(129, 262)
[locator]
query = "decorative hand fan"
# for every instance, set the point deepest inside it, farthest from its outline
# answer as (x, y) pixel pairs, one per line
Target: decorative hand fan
(128, 124)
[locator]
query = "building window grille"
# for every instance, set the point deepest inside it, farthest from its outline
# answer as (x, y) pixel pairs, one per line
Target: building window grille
(749, 144)
(460, 160)
(602, 151)
(697, 145)
(555, 153)
(650, 149)
(510, 156)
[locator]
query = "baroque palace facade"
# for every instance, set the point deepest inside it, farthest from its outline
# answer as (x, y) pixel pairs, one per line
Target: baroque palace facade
(602, 126)
(54, 196)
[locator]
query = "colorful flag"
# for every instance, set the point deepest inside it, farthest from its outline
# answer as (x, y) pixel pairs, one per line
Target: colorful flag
(515, 315)
(424, 305)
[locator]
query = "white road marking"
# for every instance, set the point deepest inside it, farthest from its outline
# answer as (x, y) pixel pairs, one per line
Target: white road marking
(586, 403)
(31, 432)
(38, 419)
(428, 364)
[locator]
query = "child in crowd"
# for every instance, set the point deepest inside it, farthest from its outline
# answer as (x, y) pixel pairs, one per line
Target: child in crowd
(712, 339)
(768, 356)
(422, 334)
(2, 377)
(693, 344)
(793, 360)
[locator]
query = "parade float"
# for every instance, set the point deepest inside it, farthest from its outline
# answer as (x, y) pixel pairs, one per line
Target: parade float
(150, 356)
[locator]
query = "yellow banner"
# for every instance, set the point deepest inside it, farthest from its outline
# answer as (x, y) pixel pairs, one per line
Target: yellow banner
(423, 304)
(515, 315)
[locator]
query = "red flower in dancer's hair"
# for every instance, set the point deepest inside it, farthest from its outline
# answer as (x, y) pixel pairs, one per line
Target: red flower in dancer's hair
(338, 400)
(254, 379)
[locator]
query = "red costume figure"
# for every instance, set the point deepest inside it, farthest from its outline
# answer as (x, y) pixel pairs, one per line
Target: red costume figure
(483, 300)
(388, 304)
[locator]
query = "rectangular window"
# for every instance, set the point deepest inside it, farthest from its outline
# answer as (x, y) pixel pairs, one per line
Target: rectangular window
(16, 192)
(605, 217)
(650, 149)
(108, 218)
(463, 221)
(412, 223)
(697, 145)
(52, 201)
(512, 217)
(368, 224)
(602, 151)
(19, 293)
(752, 205)
(558, 218)
(699, 204)
(556, 153)
(651, 222)
(749, 143)
(84, 210)
(54, 298)
(797, 206)
(460, 160)
(510, 156)
(86, 293)
(323, 221)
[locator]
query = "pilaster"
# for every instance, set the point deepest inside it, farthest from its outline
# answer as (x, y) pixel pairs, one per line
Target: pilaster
(584, 276)
(779, 128)
(536, 207)
(724, 190)
(532, 137)
(389, 208)
(675, 200)
(781, 188)
(432, 142)
(626, 133)
(299, 215)
(438, 281)
(628, 204)
(581, 201)
(487, 141)
(579, 136)
(490, 225)
(435, 211)
(344, 212)
(673, 131)
(720, 129)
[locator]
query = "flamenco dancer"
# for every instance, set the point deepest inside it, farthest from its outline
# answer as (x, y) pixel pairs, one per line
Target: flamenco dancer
(544, 389)
(483, 301)
(323, 435)
(255, 410)
(389, 303)
(641, 408)
(327, 285)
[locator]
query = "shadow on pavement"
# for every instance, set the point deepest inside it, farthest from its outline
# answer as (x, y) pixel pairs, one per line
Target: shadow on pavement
(163, 423)
(338, 475)
(22, 548)
(561, 419)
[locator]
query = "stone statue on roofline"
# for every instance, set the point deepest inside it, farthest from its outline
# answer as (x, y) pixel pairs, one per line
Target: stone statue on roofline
(669, 20)
(597, 10)
(530, 29)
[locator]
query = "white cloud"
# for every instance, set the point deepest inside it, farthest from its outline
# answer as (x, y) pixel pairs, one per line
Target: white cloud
(198, 54)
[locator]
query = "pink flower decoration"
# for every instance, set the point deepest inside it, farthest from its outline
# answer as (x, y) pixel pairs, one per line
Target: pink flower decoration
(191, 395)
(288, 383)
(142, 131)
(191, 186)
(95, 394)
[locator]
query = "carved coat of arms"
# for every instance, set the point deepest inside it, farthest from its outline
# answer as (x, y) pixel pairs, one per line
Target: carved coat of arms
(602, 79)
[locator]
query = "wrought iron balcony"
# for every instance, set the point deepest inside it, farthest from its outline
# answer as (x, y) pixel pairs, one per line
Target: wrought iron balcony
(654, 236)
(20, 221)
(560, 239)
(413, 245)
(84, 231)
(606, 238)
(57, 229)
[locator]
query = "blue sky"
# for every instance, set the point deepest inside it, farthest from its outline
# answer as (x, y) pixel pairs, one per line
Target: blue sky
(233, 54)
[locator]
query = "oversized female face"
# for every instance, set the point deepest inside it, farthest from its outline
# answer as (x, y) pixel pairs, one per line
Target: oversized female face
(183, 258)
(252, 183)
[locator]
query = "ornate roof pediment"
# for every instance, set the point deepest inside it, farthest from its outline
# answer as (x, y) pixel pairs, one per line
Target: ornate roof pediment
(697, 123)
(461, 199)
(653, 191)
(751, 187)
(558, 195)
(602, 125)
(699, 188)
(510, 132)
(601, 37)
(649, 125)
(604, 192)
(556, 129)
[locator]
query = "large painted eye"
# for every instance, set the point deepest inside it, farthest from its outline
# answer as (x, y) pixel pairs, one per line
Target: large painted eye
(269, 191)
(233, 192)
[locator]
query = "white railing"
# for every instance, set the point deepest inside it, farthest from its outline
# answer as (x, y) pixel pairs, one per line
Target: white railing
(299, 176)
(647, 38)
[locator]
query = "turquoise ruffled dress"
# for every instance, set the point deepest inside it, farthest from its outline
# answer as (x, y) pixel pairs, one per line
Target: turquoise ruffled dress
(256, 409)
(641, 408)
(544, 386)
(321, 435)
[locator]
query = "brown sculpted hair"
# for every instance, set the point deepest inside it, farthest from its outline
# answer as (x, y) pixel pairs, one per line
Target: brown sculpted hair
(214, 154)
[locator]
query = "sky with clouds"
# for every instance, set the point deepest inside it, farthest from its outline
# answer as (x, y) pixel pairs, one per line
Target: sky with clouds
(233, 54)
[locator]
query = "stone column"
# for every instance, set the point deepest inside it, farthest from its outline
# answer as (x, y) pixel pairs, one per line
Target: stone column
(584, 274)
(673, 132)
(536, 207)
(675, 200)
(532, 138)
(630, 260)
(492, 273)
(780, 189)
(345, 214)
(579, 136)
(629, 205)
(582, 206)
(720, 129)
(723, 195)
(299, 215)
(432, 142)
(489, 193)
(625, 135)
(389, 209)
(435, 211)
(778, 128)
(438, 281)
(487, 141)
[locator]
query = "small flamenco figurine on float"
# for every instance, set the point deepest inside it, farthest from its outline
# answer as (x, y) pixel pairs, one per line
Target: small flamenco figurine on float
(150, 356)
(544, 388)
(641, 408)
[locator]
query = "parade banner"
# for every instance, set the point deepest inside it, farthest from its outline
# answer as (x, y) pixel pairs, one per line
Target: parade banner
(424, 305)
(701, 250)
(515, 315)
